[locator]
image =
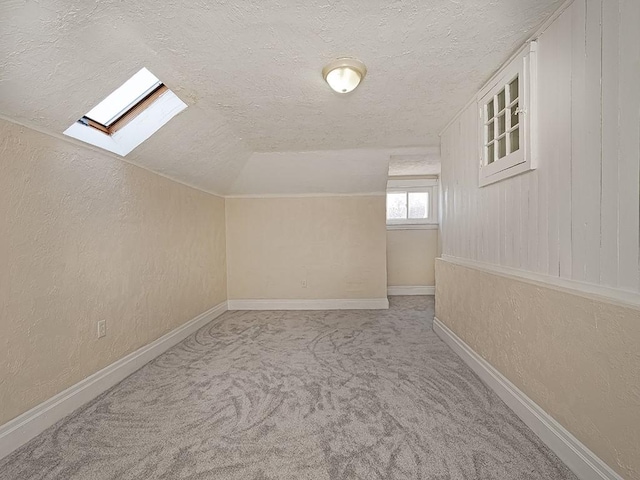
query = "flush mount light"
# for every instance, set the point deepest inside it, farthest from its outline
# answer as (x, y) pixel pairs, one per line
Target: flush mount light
(344, 74)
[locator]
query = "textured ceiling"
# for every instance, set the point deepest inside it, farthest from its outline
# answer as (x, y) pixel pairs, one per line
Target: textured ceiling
(250, 71)
(345, 171)
(427, 163)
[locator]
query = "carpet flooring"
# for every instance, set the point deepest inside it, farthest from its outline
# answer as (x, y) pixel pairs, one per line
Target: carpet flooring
(296, 395)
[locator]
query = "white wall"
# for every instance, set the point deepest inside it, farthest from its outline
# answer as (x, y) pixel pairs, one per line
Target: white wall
(577, 215)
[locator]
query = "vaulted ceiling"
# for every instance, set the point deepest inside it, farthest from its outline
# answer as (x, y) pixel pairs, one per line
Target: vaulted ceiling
(250, 72)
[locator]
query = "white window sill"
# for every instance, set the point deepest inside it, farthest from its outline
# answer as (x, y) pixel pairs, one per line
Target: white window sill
(413, 226)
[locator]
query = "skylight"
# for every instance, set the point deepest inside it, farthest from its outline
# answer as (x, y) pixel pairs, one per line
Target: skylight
(129, 115)
(132, 92)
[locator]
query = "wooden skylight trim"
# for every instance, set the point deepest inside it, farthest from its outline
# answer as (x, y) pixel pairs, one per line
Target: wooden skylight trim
(129, 114)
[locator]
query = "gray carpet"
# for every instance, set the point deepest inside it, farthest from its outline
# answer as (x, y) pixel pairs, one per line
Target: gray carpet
(296, 395)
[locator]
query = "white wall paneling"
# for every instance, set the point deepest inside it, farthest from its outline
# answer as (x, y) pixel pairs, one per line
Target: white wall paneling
(629, 138)
(577, 215)
(586, 139)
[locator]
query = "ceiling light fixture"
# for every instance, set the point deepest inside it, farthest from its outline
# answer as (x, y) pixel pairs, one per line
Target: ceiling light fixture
(344, 74)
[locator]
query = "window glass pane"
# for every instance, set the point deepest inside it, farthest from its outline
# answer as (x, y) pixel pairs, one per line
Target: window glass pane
(126, 96)
(491, 153)
(396, 205)
(515, 118)
(502, 147)
(418, 204)
(513, 90)
(490, 132)
(501, 100)
(501, 125)
(490, 112)
(515, 139)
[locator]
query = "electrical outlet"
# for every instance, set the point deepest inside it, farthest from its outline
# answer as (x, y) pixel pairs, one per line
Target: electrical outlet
(303, 283)
(102, 328)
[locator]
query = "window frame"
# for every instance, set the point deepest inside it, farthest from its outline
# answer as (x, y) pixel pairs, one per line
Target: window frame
(137, 118)
(429, 186)
(123, 118)
(522, 66)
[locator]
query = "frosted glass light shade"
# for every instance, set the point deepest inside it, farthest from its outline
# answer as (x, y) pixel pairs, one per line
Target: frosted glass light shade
(344, 75)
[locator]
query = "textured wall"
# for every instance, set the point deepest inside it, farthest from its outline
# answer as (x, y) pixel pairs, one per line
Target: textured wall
(576, 357)
(577, 215)
(411, 255)
(85, 237)
(336, 244)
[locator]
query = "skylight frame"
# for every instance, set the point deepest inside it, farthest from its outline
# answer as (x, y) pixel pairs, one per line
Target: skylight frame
(129, 113)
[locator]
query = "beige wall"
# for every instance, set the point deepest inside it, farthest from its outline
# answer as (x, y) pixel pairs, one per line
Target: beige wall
(578, 358)
(337, 244)
(411, 256)
(86, 237)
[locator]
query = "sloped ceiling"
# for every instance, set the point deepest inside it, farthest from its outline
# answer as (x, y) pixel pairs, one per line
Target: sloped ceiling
(359, 170)
(423, 163)
(250, 74)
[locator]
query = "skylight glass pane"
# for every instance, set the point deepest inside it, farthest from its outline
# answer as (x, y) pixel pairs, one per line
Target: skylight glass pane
(396, 205)
(125, 97)
(418, 204)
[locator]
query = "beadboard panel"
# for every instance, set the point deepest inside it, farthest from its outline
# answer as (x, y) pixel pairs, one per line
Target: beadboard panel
(577, 215)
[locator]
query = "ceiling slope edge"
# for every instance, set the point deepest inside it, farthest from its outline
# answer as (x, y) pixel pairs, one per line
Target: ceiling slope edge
(86, 146)
(319, 173)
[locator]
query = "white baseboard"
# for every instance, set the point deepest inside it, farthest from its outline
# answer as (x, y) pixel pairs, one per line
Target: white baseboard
(587, 290)
(311, 304)
(413, 290)
(20, 430)
(582, 461)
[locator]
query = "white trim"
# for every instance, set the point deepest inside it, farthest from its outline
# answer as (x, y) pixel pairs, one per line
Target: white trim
(411, 183)
(582, 461)
(311, 304)
(412, 226)
(411, 290)
(409, 221)
(524, 67)
(518, 169)
(20, 430)
(588, 290)
(135, 132)
(306, 195)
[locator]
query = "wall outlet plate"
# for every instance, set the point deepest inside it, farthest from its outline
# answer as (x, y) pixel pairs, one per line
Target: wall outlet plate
(102, 328)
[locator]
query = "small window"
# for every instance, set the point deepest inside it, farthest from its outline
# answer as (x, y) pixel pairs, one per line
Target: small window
(129, 115)
(411, 205)
(505, 110)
